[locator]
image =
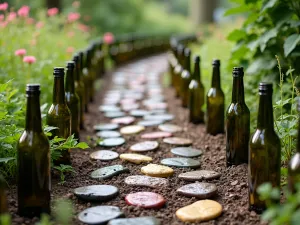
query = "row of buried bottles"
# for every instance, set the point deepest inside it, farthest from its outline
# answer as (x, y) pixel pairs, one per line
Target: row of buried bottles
(262, 149)
(71, 97)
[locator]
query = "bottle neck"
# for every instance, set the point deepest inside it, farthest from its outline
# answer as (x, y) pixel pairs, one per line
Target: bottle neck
(216, 80)
(77, 72)
(33, 113)
(196, 74)
(187, 63)
(298, 138)
(265, 112)
(70, 87)
(59, 90)
(238, 90)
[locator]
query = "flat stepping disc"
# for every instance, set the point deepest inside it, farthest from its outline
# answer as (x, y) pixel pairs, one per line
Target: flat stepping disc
(124, 120)
(186, 151)
(181, 162)
(144, 146)
(150, 123)
(108, 134)
(99, 214)
(178, 141)
(135, 158)
(109, 108)
(108, 172)
(106, 126)
(104, 155)
(112, 142)
(199, 175)
(149, 220)
(199, 190)
(163, 117)
(202, 210)
(155, 170)
(114, 114)
(134, 129)
(146, 181)
(156, 135)
(145, 200)
(169, 128)
(139, 113)
(96, 192)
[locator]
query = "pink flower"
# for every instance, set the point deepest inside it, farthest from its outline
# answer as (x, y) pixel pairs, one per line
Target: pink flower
(11, 16)
(108, 38)
(3, 24)
(1, 17)
(29, 59)
(39, 24)
(24, 11)
(72, 17)
(76, 4)
(30, 21)
(70, 49)
(3, 6)
(52, 11)
(20, 52)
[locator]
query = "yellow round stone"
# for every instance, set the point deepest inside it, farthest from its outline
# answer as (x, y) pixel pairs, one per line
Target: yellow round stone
(135, 158)
(134, 129)
(155, 170)
(202, 210)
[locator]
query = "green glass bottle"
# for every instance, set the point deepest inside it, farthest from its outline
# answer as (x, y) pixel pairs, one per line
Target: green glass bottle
(237, 122)
(72, 99)
(178, 69)
(59, 114)
(264, 150)
(294, 164)
(84, 76)
(3, 200)
(79, 89)
(196, 95)
(33, 160)
(215, 103)
(186, 78)
(90, 65)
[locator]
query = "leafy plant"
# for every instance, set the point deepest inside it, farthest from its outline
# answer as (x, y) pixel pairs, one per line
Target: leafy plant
(63, 169)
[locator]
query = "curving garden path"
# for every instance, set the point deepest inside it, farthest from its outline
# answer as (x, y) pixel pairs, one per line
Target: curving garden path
(232, 190)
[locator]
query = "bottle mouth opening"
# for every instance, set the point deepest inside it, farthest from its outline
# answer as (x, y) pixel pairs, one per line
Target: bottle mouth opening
(70, 64)
(238, 72)
(216, 62)
(33, 89)
(59, 72)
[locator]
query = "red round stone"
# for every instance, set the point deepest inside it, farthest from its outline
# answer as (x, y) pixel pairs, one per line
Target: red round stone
(145, 199)
(155, 135)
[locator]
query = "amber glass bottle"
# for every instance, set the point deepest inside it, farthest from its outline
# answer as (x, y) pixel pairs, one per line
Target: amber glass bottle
(59, 114)
(79, 89)
(84, 76)
(294, 165)
(237, 122)
(72, 99)
(186, 78)
(215, 103)
(264, 150)
(3, 200)
(33, 160)
(178, 69)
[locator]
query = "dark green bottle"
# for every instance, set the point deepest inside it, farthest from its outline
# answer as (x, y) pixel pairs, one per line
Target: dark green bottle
(294, 164)
(33, 160)
(79, 89)
(215, 103)
(264, 150)
(237, 122)
(59, 114)
(178, 69)
(85, 79)
(91, 73)
(186, 78)
(196, 95)
(3, 200)
(72, 99)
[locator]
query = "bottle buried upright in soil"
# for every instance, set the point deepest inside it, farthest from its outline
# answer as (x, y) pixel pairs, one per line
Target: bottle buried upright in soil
(185, 78)
(264, 150)
(196, 95)
(33, 160)
(72, 99)
(85, 79)
(294, 164)
(237, 122)
(79, 89)
(178, 69)
(3, 200)
(59, 114)
(215, 103)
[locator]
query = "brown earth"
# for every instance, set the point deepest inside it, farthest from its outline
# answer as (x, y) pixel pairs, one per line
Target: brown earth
(232, 186)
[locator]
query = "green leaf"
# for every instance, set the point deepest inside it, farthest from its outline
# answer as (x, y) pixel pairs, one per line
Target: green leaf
(266, 37)
(290, 43)
(236, 35)
(237, 10)
(6, 160)
(82, 145)
(268, 4)
(261, 64)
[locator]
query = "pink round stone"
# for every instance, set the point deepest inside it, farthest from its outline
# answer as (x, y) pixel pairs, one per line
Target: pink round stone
(124, 120)
(156, 135)
(145, 199)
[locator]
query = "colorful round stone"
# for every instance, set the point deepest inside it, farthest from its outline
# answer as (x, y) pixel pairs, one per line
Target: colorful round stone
(96, 192)
(135, 158)
(108, 134)
(156, 135)
(181, 162)
(133, 129)
(199, 190)
(112, 142)
(155, 170)
(114, 114)
(150, 123)
(144, 146)
(170, 128)
(199, 175)
(109, 108)
(104, 155)
(139, 113)
(106, 126)
(145, 200)
(178, 141)
(124, 120)
(186, 151)
(146, 181)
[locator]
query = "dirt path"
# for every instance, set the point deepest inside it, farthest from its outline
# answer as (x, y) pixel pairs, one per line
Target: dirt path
(232, 186)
